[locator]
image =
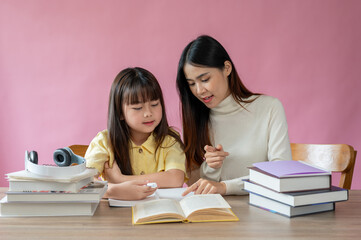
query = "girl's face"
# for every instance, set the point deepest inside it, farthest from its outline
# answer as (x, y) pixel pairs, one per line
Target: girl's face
(142, 119)
(209, 85)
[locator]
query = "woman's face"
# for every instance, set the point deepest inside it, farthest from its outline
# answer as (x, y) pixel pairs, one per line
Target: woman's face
(209, 85)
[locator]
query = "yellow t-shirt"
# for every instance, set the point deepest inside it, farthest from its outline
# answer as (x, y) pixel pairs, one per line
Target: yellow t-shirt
(143, 159)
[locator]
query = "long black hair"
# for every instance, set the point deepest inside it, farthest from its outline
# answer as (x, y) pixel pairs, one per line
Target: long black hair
(204, 51)
(133, 86)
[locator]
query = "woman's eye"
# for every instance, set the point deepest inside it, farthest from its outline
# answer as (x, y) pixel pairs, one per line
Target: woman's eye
(191, 84)
(205, 80)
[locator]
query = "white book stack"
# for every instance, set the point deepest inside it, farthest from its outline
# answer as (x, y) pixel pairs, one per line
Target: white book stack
(292, 188)
(33, 194)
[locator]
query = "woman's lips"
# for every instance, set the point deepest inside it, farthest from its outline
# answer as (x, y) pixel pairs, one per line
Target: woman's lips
(207, 99)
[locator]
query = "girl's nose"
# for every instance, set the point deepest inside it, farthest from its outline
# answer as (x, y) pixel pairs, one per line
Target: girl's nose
(147, 112)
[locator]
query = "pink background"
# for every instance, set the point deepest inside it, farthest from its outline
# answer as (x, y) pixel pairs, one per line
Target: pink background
(59, 58)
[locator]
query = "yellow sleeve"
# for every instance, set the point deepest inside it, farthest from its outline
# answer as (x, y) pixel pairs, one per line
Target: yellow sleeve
(173, 156)
(99, 152)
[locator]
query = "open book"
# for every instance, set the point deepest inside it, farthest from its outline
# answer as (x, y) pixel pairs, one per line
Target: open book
(196, 208)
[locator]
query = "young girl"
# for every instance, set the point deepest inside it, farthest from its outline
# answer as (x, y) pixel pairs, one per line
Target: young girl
(138, 146)
(235, 127)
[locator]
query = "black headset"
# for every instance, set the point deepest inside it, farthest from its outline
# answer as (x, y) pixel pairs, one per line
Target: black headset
(62, 157)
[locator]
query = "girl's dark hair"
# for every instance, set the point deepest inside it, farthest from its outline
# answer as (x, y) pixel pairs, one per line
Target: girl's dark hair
(132, 86)
(204, 51)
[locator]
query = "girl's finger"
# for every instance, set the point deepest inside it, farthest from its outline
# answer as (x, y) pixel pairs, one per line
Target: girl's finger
(140, 182)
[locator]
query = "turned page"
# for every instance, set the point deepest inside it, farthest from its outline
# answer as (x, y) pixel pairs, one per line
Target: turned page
(205, 201)
(157, 207)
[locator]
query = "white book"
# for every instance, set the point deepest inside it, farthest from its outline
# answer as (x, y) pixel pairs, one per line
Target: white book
(286, 210)
(334, 194)
(93, 192)
(39, 209)
(17, 185)
(289, 176)
(162, 193)
(26, 175)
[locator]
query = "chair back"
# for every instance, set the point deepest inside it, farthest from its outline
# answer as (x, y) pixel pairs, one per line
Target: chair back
(79, 149)
(332, 157)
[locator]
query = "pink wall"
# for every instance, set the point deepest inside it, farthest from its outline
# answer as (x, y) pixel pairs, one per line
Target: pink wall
(58, 59)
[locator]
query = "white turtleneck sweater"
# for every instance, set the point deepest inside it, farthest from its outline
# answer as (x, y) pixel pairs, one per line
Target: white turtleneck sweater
(255, 134)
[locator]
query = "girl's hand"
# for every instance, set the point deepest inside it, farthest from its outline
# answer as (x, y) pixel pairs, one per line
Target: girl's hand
(215, 156)
(130, 190)
(112, 175)
(203, 186)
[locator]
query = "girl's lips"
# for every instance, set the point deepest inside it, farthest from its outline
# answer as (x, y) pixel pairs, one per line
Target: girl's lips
(207, 99)
(149, 123)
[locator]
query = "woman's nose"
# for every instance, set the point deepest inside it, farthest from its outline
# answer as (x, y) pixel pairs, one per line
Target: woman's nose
(200, 89)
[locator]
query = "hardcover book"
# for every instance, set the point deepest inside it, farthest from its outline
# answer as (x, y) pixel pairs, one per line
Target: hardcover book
(286, 210)
(91, 192)
(334, 194)
(196, 208)
(26, 175)
(40, 209)
(19, 185)
(289, 176)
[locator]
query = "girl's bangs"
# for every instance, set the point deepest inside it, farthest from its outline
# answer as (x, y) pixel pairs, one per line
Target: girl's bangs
(140, 93)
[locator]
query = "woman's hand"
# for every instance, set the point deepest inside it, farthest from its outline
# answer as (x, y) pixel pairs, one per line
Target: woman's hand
(112, 174)
(203, 186)
(130, 190)
(215, 156)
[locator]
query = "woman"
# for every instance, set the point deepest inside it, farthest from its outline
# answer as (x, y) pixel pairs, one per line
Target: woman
(226, 127)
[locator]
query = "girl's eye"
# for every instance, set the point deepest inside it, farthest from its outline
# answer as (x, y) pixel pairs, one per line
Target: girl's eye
(191, 84)
(154, 103)
(137, 108)
(205, 80)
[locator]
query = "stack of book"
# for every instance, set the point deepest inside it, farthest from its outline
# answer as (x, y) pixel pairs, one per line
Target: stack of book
(292, 188)
(31, 194)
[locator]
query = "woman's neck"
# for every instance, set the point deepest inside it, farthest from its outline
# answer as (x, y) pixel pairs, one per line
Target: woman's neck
(228, 105)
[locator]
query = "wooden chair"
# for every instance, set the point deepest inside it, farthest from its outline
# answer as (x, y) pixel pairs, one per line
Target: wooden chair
(332, 157)
(79, 149)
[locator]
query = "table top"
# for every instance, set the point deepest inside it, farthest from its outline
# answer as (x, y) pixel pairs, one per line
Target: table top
(115, 223)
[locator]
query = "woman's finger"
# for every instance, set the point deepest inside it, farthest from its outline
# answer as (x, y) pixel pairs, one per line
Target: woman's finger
(207, 189)
(215, 165)
(215, 159)
(191, 188)
(208, 148)
(216, 155)
(200, 187)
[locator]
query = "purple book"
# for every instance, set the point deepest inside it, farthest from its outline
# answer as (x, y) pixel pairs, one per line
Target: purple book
(289, 168)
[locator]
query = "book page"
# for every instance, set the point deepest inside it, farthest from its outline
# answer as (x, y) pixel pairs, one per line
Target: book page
(171, 193)
(130, 203)
(157, 207)
(205, 201)
(164, 193)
